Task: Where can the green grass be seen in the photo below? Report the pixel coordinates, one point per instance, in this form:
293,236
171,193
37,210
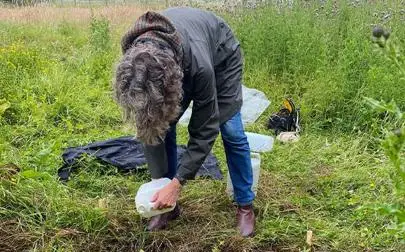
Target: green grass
56,81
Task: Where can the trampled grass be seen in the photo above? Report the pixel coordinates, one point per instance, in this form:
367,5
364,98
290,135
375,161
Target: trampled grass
56,84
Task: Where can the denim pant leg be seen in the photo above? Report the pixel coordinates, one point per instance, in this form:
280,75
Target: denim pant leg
237,152
171,150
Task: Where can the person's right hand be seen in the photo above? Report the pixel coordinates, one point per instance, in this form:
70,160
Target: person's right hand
167,196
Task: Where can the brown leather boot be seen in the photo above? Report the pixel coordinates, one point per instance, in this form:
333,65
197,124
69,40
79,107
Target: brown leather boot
159,222
246,220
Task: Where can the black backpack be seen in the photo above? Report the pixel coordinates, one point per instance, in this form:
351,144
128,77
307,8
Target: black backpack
286,119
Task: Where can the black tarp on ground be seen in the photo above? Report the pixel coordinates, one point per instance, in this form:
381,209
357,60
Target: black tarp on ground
125,153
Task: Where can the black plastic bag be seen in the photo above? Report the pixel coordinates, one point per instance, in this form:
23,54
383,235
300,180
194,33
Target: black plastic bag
125,153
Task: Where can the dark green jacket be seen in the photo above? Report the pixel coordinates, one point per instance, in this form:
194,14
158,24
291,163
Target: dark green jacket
212,59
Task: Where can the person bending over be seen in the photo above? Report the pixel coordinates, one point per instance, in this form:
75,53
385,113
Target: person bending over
170,59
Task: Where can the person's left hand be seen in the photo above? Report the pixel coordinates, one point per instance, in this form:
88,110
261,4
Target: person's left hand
167,196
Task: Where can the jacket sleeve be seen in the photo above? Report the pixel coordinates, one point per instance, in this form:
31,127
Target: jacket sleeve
156,155
156,158
203,127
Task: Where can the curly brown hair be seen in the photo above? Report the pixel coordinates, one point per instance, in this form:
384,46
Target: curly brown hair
148,87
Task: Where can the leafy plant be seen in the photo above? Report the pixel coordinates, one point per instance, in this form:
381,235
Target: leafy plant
100,38
393,146
394,142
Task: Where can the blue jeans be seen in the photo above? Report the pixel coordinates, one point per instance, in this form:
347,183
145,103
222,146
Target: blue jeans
237,152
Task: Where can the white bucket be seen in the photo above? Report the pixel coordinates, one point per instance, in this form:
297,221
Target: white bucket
255,157
259,142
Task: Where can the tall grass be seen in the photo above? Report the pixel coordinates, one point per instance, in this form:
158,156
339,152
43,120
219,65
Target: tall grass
55,92
322,56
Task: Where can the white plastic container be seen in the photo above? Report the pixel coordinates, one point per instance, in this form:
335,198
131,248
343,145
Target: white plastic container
145,194
255,157
259,142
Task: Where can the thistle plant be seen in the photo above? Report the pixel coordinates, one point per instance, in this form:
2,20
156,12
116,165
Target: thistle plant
394,142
